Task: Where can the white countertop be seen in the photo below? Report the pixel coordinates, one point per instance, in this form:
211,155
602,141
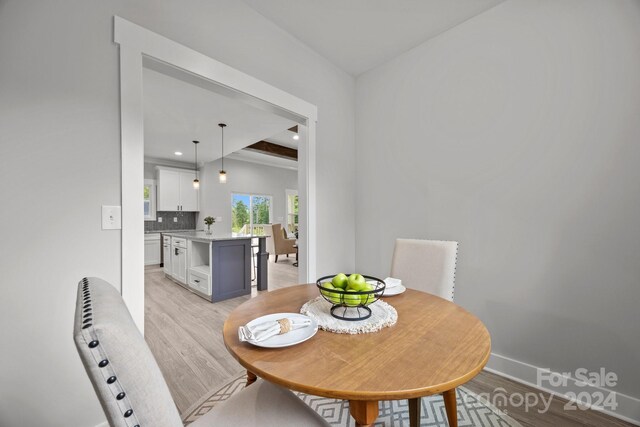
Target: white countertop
201,236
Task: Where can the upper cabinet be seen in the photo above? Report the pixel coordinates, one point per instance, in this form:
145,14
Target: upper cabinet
188,194
175,190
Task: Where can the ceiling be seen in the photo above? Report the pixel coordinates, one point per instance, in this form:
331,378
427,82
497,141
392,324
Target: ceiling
284,138
177,112
358,35
264,159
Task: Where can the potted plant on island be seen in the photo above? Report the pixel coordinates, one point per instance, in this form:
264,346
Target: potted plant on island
209,220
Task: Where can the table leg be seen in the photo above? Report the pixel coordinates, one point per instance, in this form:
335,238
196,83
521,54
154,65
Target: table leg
364,412
251,378
450,406
414,411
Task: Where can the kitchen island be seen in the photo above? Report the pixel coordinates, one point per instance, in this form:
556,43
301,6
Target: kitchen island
214,267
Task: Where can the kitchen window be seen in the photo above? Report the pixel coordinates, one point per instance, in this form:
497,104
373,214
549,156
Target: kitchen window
149,200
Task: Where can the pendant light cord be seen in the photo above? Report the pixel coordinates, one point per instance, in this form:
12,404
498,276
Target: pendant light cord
222,126
195,167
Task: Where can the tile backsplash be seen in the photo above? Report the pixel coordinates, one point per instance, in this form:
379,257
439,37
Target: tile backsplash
186,221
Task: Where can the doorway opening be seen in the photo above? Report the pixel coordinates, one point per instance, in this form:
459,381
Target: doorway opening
141,48
183,329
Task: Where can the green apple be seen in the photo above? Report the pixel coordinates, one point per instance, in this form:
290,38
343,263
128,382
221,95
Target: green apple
356,282
340,280
367,298
326,285
367,287
352,299
335,297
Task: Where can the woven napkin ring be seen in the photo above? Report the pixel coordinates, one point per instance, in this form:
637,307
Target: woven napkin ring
285,326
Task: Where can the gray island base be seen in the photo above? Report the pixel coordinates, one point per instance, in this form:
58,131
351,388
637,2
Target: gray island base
214,267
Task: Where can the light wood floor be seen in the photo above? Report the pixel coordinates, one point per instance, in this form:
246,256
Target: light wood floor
184,333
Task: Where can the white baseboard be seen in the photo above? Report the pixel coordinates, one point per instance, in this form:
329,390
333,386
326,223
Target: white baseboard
104,424
628,407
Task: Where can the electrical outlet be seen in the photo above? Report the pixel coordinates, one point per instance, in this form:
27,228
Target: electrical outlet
218,219
159,219
111,217
175,219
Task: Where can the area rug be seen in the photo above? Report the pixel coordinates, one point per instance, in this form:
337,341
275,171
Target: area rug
472,410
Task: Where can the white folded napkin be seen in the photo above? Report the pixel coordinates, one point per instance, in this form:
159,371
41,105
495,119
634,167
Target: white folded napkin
392,283
265,330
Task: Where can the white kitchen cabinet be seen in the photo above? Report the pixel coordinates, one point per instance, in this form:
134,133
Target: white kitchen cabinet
200,281
152,249
175,190
168,190
179,260
199,267
188,194
166,254
179,265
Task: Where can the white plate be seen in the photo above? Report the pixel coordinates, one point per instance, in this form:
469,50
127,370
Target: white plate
387,286
396,290
290,338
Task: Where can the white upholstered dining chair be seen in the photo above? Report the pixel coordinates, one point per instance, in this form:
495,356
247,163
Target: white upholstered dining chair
131,388
426,265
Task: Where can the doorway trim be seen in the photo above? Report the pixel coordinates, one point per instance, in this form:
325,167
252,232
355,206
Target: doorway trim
138,44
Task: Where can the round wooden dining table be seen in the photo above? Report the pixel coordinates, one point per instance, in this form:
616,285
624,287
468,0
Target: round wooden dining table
434,347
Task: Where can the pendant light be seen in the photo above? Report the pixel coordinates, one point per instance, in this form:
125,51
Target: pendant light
196,182
222,175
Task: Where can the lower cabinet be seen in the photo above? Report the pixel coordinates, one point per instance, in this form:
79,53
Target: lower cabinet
178,267
230,268
166,255
179,264
152,249
215,270
199,281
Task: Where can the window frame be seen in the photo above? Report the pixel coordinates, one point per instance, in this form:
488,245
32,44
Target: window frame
251,196
287,193
151,183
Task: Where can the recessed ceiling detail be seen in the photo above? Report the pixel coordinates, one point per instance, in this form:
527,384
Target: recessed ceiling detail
271,149
176,113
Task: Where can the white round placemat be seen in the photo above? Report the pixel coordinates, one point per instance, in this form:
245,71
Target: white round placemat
382,315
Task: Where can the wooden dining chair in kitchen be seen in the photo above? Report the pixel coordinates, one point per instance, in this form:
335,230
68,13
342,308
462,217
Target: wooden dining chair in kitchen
131,388
426,265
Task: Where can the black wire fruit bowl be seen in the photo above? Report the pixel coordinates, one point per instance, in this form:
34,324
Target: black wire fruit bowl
348,304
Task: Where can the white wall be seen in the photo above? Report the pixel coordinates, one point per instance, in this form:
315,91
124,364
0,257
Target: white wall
60,160
516,133
242,177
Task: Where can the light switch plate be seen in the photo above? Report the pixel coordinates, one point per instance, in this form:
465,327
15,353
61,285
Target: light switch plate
175,219
111,217
218,219
159,219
